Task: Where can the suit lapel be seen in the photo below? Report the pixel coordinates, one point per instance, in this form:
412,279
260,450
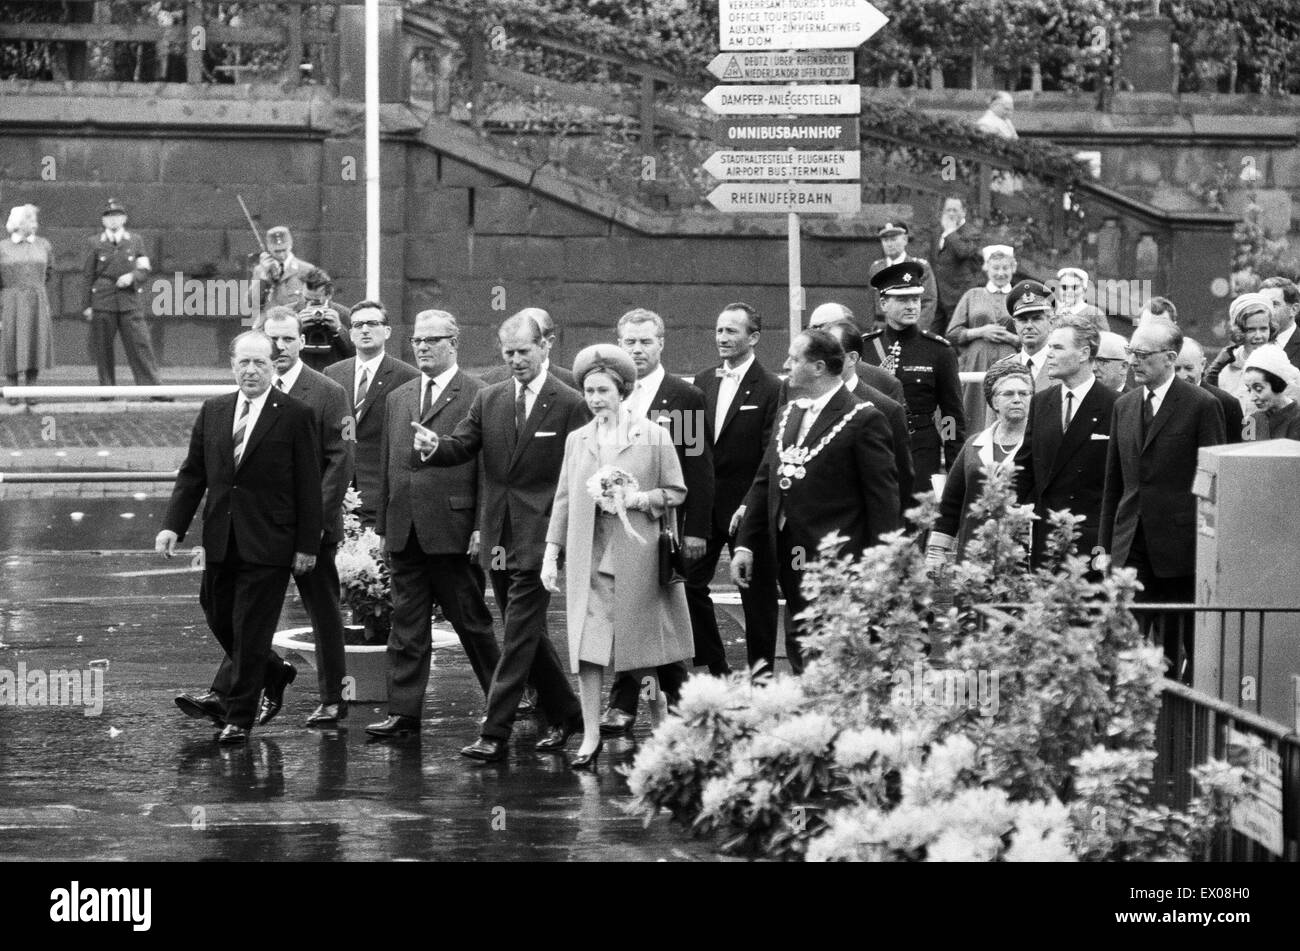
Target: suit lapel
545,399
225,422
1172,397
375,389
443,400
1047,426
268,418
747,384
831,414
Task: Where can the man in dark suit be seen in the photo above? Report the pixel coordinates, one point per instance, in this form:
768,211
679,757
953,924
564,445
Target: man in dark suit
882,381
369,377
562,373
893,241
319,588
679,407
1062,460
1190,366
955,260
427,519
254,454
1148,511
829,468
517,429
846,334
740,403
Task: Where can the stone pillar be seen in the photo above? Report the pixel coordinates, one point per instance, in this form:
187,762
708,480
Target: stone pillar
393,66
1147,63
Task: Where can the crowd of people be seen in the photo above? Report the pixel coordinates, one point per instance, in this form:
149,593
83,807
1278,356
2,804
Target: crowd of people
620,482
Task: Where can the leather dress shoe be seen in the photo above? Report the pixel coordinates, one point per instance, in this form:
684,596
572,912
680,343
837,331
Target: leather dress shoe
557,736
273,697
615,722
486,749
232,734
328,714
394,726
205,706
527,703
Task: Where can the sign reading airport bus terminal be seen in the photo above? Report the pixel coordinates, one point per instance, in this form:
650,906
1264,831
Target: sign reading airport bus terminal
796,24
817,166
813,66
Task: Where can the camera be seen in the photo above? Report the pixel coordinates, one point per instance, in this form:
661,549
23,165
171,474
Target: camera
317,331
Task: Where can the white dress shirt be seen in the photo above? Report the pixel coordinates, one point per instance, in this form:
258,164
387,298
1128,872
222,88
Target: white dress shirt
644,391
1160,392
369,368
727,389
290,376
1284,337
439,384
254,411
1079,393
813,411
1036,363
532,388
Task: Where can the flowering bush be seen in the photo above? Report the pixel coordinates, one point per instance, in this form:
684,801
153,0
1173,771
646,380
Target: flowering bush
363,573
995,713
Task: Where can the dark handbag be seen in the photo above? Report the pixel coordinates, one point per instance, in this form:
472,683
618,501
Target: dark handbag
672,566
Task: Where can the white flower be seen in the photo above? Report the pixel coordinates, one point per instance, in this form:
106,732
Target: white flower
955,845
808,734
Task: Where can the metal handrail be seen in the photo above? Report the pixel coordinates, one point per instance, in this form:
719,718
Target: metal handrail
116,392
17,478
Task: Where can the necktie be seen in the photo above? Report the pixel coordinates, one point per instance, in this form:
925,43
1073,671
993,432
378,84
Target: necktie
1069,410
362,388
426,401
521,410
241,429
279,384
1148,412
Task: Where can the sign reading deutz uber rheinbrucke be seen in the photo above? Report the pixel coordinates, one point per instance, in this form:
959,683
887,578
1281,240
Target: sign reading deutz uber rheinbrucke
811,66
821,165
811,100
796,24
788,133
788,198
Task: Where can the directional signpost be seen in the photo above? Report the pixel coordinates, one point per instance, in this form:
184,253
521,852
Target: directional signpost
789,51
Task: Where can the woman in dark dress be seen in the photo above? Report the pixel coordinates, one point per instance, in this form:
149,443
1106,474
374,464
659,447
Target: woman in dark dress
1269,379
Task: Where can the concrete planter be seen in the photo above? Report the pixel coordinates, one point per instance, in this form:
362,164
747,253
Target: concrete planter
367,665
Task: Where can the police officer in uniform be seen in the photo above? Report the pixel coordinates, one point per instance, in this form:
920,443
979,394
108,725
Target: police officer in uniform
279,277
117,269
893,241
926,366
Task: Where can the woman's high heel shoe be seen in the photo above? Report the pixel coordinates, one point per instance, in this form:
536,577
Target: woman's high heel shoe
589,761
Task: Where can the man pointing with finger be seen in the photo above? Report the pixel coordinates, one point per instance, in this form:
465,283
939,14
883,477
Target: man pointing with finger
254,455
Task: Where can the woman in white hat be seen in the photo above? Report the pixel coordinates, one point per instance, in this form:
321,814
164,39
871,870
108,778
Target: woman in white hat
26,326
1071,298
1269,376
1254,324
619,616
981,329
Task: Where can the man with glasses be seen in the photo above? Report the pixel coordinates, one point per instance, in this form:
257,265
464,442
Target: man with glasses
369,377
1029,305
1111,362
1148,511
1190,366
427,518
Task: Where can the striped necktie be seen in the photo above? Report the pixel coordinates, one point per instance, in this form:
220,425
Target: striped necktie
362,388
241,430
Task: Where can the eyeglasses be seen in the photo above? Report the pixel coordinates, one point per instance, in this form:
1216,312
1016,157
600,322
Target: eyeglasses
1143,354
366,324
419,341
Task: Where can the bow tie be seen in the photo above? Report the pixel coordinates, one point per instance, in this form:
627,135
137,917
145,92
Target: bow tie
724,373
803,403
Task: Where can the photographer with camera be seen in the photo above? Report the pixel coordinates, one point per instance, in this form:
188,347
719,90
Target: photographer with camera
325,324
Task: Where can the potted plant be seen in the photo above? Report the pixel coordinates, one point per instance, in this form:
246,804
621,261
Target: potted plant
364,585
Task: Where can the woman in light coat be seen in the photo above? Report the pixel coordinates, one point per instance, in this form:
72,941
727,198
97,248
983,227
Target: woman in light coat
981,329
619,616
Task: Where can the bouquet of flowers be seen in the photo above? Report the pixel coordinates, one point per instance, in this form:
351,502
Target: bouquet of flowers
363,576
611,487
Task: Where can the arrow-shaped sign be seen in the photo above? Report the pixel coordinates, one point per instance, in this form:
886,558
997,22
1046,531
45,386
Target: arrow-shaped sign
796,24
813,100
825,66
820,165
811,199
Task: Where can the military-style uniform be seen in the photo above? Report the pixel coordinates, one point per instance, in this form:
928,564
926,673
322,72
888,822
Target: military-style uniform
118,309
926,365
286,288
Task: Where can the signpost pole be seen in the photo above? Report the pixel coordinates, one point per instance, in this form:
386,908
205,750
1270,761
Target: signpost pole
796,275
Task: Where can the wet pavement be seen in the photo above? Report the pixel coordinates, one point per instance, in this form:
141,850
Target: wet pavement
141,781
